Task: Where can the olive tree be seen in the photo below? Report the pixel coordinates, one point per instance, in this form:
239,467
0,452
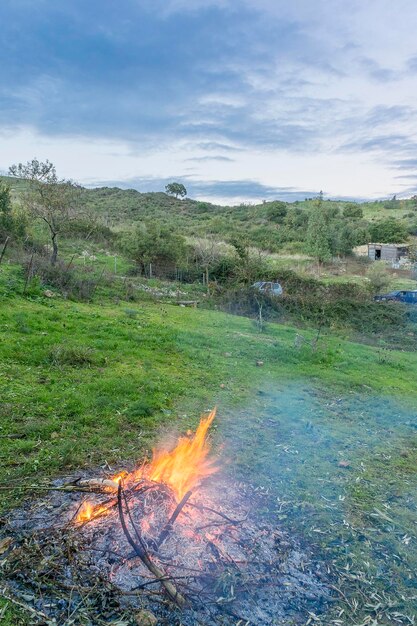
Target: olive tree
54,201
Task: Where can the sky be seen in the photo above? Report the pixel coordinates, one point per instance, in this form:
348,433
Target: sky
240,100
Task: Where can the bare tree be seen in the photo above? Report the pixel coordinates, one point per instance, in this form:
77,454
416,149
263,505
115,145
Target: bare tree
207,251
54,201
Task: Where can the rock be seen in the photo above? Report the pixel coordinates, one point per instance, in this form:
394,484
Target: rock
344,464
227,354
222,386
145,618
259,363
48,293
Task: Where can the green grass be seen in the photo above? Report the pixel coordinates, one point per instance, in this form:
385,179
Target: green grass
84,384
72,374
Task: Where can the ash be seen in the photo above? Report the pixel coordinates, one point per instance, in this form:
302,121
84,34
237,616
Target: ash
224,554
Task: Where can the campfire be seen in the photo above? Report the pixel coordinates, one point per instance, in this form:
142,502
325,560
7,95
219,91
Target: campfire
160,537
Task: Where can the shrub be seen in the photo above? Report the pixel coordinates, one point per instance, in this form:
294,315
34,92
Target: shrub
277,211
74,283
353,211
378,277
389,231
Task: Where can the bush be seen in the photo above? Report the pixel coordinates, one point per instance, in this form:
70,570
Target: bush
378,277
353,211
341,305
389,231
277,211
75,356
74,283
89,229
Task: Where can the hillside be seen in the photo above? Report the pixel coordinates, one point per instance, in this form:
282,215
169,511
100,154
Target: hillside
275,226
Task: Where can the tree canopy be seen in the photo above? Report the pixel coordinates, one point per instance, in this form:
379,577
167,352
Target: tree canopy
176,189
318,235
151,243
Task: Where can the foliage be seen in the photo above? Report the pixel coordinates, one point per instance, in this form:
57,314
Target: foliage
176,189
392,204
277,211
353,211
318,237
154,243
89,228
48,198
207,253
389,231
378,277
12,223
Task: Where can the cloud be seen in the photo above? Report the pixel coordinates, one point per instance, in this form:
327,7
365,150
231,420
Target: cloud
376,72
211,158
221,79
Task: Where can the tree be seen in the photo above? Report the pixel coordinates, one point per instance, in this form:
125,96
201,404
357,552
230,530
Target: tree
152,243
318,235
207,252
6,218
52,200
11,223
389,231
176,189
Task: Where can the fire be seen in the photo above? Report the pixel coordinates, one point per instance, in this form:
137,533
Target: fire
184,467
89,511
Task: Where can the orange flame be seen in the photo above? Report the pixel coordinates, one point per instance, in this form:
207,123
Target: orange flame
89,511
184,467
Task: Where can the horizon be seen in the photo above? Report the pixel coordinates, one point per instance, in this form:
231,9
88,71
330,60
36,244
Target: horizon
237,101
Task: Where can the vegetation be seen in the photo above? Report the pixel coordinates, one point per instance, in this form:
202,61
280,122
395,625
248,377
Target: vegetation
176,189
318,236
153,243
47,198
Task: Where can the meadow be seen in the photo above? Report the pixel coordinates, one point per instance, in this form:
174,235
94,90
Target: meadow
93,384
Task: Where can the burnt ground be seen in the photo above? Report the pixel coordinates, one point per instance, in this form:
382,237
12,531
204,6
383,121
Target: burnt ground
226,554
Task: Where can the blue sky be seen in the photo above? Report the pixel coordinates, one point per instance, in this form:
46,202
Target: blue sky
240,100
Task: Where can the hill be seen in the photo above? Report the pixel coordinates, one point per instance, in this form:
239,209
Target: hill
275,225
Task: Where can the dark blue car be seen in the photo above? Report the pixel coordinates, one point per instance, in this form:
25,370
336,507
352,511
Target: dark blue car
406,296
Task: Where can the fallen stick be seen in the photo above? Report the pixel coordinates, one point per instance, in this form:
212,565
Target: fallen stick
202,507
170,523
97,484
144,557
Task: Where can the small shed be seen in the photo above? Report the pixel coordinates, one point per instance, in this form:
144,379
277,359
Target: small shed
391,252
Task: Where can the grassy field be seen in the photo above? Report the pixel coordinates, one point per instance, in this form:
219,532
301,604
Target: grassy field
87,384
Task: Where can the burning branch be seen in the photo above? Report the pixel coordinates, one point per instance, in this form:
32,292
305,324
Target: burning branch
144,557
170,523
